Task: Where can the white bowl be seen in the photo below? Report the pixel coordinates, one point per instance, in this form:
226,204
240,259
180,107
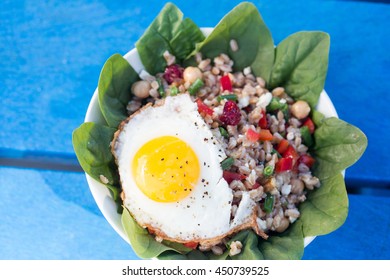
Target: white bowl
102,195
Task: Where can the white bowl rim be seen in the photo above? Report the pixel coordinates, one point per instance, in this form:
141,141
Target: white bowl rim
102,195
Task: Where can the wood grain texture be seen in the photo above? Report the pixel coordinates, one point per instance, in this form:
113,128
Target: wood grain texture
52,215
364,235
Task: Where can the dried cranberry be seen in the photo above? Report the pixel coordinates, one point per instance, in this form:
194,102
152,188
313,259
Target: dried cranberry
173,73
231,114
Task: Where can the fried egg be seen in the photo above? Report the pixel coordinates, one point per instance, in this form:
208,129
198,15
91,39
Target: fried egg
170,172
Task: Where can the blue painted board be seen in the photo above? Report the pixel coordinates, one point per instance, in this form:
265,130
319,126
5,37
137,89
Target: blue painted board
364,235
51,54
52,215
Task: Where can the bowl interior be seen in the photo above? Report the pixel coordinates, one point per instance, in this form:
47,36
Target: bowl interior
101,194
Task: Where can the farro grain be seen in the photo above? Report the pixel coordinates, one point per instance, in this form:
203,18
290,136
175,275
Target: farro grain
235,248
217,250
278,91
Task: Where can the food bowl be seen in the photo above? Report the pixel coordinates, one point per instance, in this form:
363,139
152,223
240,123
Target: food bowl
102,195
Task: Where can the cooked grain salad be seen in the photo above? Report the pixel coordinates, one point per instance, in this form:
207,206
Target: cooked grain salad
266,135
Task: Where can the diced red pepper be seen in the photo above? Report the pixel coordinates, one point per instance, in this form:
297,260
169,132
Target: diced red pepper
203,108
226,84
263,123
265,135
284,164
252,135
291,153
231,176
310,125
282,146
255,186
307,160
191,245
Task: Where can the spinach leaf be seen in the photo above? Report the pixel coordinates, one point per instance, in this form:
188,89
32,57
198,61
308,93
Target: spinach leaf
183,42
114,87
256,47
338,145
178,247
171,255
91,142
168,32
326,208
250,250
286,246
193,255
301,64
317,118
224,256
143,244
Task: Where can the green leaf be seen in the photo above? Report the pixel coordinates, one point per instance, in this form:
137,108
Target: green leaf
170,255
286,246
178,247
326,208
183,42
143,244
256,47
168,32
114,87
301,64
317,118
193,255
250,250
338,145
91,142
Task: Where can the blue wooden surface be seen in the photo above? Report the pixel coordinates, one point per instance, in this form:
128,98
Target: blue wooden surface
51,53
52,215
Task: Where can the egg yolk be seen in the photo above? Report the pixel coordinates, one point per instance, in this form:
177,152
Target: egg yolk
166,169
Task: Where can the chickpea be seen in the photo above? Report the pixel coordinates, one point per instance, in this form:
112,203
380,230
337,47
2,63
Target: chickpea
300,109
191,74
141,89
283,225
